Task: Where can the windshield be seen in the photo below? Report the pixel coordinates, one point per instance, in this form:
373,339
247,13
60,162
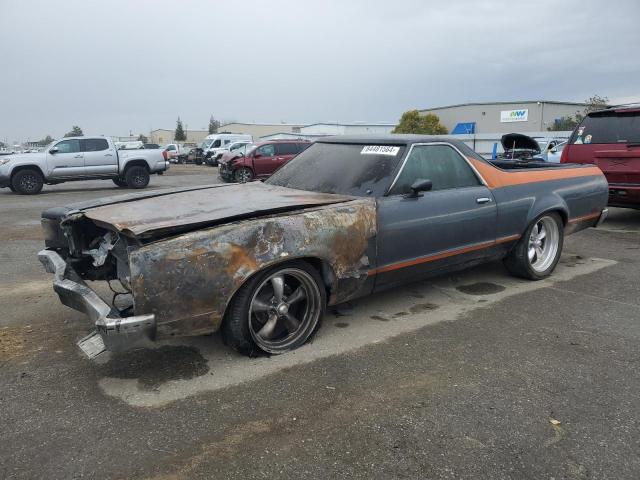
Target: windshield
347,169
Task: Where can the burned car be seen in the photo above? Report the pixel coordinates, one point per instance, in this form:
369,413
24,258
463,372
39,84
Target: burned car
347,217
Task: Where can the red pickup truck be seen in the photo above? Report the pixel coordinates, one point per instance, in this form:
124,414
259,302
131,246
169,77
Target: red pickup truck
610,139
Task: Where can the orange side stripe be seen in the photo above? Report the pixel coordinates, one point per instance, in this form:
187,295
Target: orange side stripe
584,218
497,178
440,256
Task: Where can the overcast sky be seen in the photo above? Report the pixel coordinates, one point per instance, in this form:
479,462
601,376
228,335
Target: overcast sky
117,66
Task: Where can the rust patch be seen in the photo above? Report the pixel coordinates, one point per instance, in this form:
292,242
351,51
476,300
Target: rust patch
239,261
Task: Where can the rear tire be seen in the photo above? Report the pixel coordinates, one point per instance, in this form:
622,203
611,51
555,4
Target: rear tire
119,182
137,177
262,318
243,175
27,182
538,251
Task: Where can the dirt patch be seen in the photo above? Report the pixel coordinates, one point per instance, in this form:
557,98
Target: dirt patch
480,288
379,318
21,232
421,307
342,324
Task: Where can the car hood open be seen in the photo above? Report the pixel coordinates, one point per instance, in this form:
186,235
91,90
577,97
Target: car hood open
518,141
177,211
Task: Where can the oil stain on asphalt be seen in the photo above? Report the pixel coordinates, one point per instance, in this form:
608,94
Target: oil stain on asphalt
480,288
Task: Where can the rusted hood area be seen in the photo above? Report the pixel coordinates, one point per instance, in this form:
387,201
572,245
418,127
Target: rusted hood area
175,211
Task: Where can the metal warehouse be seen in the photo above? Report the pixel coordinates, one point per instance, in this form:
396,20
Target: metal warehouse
503,117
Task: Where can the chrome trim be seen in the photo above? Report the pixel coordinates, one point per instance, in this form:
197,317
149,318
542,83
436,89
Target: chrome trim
603,217
422,144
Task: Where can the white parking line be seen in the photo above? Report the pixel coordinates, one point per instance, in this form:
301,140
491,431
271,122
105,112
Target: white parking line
375,319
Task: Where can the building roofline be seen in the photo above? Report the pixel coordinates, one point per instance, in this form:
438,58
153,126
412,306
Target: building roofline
552,102
352,124
264,124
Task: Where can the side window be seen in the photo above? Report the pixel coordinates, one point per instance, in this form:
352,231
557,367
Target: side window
94,144
303,146
441,164
266,150
216,144
226,142
286,149
68,146
603,129
171,148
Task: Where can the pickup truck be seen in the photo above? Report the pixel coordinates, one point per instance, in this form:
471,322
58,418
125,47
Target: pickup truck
80,158
347,217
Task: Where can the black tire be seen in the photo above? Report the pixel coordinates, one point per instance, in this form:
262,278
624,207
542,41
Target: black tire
518,261
119,182
27,182
243,175
239,325
11,188
137,177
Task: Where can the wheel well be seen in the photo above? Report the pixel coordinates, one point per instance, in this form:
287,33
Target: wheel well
26,167
136,163
563,215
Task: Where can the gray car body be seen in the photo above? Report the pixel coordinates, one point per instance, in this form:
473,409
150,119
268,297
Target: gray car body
82,165
185,260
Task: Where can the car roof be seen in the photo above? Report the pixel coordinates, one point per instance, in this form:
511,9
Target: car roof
389,139
621,109
283,140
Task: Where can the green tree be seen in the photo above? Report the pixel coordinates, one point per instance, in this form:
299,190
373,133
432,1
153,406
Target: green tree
413,122
563,124
179,136
45,141
570,122
76,131
213,125
143,139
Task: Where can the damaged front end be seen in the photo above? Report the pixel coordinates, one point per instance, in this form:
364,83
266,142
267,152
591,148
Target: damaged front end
78,251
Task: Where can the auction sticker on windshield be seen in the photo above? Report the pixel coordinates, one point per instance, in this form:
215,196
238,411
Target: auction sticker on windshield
379,150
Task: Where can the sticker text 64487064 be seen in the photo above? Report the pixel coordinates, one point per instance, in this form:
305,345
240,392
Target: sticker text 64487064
379,150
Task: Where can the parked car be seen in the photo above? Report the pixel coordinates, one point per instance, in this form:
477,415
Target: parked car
213,142
129,145
228,156
195,155
261,161
235,147
151,146
552,152
610,139
177,151
80,158
347,217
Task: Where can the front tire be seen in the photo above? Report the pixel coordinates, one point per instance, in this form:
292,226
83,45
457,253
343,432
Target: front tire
537,253
27,182
119,182
243,175
137,177
276,311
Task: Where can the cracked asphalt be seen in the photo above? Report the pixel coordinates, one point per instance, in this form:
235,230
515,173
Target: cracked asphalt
475,375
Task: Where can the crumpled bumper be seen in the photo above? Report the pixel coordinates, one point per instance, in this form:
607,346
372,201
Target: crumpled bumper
117,333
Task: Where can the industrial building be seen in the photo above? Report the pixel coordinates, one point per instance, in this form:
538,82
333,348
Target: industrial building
503,117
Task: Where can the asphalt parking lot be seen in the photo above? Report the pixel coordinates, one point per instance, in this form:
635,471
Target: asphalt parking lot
474,375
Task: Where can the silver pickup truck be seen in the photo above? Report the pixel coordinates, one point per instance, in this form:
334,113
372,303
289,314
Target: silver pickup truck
80,158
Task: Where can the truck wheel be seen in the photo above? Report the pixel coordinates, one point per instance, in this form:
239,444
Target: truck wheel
243,175
137,177
119,182
537,253
27,182
277,310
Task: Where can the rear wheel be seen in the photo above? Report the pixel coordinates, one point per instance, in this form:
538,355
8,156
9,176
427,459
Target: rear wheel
537,253
243,175
27,182
137,177
277,310
119,182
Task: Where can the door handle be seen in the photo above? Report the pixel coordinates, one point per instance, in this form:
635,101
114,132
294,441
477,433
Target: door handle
108,155
483,200
78,156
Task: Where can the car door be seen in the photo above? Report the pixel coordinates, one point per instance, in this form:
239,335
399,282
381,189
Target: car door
99,157
284,153
449,226
65,159
264,158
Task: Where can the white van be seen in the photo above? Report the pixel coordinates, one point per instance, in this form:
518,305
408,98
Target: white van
214,141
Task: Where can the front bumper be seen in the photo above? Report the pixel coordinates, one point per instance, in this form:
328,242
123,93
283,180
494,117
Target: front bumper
5,179
117,333
603,217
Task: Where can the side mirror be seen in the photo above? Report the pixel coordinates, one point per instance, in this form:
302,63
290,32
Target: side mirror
418,186
554,150
53,150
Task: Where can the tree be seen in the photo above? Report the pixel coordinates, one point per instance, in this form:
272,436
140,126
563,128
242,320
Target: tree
45,141
213,125
143,139
179,136
76,131
570,122
413,122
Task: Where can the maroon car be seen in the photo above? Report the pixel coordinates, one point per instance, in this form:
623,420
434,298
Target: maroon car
610,139
261,161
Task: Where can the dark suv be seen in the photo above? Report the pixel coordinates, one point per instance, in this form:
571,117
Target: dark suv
261,161
610,139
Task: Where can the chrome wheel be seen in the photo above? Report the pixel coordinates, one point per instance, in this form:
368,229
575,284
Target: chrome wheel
284,308
542,247
243,175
